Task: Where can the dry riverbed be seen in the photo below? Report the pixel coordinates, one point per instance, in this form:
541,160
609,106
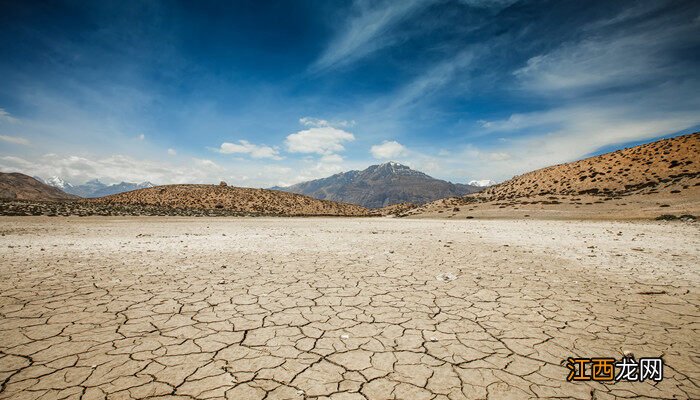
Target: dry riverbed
277,308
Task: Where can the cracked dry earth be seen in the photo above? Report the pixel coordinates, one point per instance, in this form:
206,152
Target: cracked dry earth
276,308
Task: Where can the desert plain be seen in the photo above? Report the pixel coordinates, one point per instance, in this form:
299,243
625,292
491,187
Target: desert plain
342,308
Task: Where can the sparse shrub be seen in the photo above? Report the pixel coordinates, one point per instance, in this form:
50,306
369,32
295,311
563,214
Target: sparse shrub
666,217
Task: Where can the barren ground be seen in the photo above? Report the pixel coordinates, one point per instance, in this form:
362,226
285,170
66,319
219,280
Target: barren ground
634,207
247,308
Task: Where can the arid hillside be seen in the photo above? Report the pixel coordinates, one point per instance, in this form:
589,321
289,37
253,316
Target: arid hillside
16,186
669,163
644,181
243,200
394,209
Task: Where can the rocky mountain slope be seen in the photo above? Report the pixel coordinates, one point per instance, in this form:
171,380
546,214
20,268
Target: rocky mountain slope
640,169
122,187
95,188
233,199
649,180
380,186
17,186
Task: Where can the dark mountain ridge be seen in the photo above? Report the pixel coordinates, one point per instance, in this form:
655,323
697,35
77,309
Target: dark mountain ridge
380,186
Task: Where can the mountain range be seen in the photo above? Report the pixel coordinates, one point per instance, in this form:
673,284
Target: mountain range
381,185
94,188
655,180
482,183
16,186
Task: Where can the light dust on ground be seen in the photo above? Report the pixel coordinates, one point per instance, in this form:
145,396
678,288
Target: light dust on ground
245,308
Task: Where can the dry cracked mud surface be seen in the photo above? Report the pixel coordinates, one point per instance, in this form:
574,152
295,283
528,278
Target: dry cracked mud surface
245,308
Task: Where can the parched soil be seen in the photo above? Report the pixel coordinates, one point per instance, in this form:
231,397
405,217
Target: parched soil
646,206
380,308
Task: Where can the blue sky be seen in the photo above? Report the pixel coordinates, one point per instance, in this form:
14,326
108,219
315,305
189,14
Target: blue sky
273,93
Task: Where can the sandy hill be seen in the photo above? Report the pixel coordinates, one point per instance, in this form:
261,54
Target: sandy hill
637,182
394,209
16,186
244,200
640,169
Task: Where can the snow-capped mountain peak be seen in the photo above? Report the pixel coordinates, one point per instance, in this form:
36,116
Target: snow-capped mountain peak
57,182
95,188
482,183
380,185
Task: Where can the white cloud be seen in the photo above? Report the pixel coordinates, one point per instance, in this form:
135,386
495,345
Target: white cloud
115,168
172,152
141,137
310,121
321,140
14,139
254,150
388,150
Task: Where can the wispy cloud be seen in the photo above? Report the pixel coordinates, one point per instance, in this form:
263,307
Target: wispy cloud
254,150
494,4
623,85
206,163
641,54
433,70
14,140
367,31
617,84
6,116
317,122
434,79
